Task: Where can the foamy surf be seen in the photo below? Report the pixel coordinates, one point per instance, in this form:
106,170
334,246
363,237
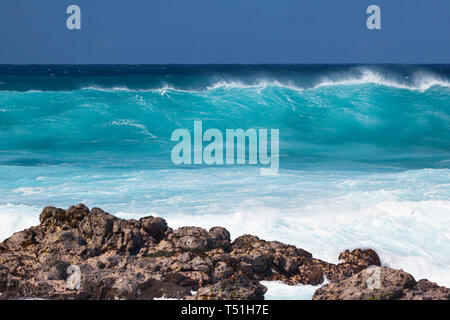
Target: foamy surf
323,213
15,218
277,290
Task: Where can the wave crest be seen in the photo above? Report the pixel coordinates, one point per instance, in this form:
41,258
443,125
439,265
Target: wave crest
201,80
420,81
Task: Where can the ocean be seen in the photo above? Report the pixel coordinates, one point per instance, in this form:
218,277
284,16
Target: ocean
364,152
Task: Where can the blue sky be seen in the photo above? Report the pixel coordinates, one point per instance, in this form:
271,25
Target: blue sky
225,31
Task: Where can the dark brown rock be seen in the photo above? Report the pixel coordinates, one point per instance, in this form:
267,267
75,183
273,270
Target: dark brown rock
155,227
145,259
360,258
381,283
192,239
221,237
232,289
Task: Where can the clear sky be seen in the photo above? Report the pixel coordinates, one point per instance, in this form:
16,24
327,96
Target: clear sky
225,31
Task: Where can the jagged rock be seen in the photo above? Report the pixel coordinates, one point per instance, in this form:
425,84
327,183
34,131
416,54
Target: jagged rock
232,289
219,234
54,217
245,242
145,259
19,240
293,265
155,227
360,258
222,270
221,237
427,290
192,238
381,283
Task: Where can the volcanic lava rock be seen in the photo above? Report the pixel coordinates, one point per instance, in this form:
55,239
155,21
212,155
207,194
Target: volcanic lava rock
382,283
145,259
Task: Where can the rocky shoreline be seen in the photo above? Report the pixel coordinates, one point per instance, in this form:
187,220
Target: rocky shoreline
145,259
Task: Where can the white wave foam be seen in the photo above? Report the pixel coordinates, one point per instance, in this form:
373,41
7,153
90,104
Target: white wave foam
420,81
163,298
132,123
27,191
15,218
259,85
277,290
162,90
404,216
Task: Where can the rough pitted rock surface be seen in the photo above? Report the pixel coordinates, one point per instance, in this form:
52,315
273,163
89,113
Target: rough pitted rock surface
382,283
145,259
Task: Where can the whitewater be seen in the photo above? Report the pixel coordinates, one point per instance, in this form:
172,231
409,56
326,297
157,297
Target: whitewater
364,154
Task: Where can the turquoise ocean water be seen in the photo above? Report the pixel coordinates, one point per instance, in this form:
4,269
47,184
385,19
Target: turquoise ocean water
364,152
